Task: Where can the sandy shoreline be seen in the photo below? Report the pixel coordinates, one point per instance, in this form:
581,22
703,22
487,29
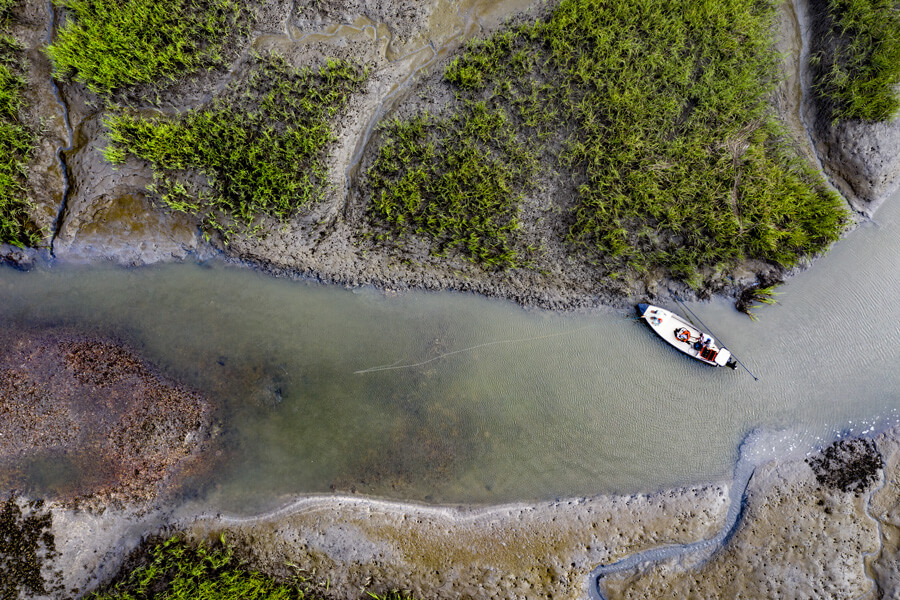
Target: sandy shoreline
799,533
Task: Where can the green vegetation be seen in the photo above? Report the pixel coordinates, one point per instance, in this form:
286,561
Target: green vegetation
16,142
25,542
859,70
754,296
259,149
176,570
456,185
656,114
108,44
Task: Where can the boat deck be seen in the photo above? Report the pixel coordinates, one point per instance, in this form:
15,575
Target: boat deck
685,337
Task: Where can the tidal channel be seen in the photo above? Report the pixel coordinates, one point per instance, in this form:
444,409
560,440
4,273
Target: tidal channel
454,398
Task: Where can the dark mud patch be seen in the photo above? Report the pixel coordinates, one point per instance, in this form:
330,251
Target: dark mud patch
87,421
23,259
758,293
26,542
847,465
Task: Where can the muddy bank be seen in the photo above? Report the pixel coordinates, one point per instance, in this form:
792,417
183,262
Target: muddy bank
109,215
86,417
823,525
812,526
860,158
800,536
30,26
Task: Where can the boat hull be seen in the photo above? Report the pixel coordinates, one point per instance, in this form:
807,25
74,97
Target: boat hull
685,336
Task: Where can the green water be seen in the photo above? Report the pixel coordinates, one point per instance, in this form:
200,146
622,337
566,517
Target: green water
483,401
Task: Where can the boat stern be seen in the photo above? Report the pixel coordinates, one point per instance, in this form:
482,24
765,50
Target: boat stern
723,358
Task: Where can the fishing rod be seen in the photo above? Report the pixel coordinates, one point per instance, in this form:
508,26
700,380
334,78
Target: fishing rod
687,308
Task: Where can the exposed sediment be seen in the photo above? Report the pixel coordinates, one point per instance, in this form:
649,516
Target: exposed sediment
801,533
86,417
30,26
797,538
860,158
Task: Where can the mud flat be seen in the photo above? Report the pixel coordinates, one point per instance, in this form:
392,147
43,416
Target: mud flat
822,525
86,417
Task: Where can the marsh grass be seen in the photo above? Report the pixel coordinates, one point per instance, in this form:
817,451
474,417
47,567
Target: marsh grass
858,70
176,570
257,150
657,111
16,142
109,44
455,180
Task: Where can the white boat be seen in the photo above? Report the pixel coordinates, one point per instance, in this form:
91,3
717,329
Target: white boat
686,337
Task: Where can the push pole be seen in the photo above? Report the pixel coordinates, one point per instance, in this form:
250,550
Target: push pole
755,378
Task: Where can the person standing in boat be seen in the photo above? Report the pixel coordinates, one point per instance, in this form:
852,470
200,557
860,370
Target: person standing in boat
703,341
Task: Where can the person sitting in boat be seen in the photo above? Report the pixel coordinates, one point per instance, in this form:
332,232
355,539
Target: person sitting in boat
683,335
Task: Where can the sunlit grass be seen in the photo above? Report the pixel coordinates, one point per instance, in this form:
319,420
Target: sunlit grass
176,570
859,70
16,142
108,44
455,180
259,149
658,112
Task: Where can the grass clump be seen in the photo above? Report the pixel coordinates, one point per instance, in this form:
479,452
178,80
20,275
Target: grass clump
175,570
16,142
684,165
257,150
754,296
656,113
458,179
454,179
858,69
109,44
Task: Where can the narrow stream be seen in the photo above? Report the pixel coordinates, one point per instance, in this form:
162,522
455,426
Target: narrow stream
60,152
459,399
756,449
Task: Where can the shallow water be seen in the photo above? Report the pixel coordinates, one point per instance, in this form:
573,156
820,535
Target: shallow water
483,401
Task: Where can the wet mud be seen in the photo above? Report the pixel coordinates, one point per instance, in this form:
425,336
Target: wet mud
84,420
